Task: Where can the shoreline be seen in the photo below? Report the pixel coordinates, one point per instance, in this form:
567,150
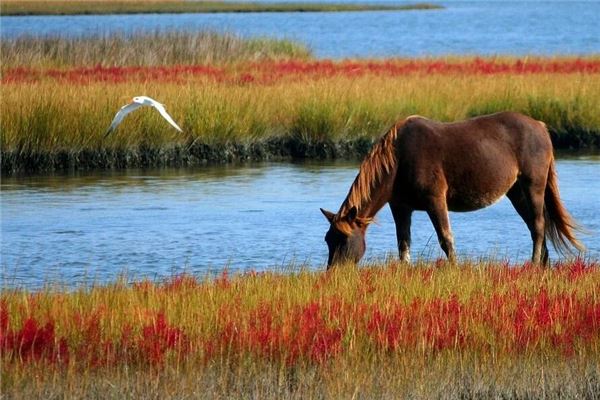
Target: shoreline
76,7
182,155
17,162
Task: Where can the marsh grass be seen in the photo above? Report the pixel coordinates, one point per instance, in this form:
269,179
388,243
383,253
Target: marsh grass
387,378
144,49
50,125
73,7
431,330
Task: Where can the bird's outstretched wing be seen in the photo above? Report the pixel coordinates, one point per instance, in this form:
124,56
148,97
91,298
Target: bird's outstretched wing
139,102
165,114
126,109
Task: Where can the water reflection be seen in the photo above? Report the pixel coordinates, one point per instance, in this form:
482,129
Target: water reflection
115,179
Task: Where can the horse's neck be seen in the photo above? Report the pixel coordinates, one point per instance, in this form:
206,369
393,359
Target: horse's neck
368,203
373,184
369,193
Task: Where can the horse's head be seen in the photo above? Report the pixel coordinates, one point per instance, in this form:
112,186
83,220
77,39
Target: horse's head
345,237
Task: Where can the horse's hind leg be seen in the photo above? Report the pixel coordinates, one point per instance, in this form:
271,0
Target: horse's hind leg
528,200
402,218
438,213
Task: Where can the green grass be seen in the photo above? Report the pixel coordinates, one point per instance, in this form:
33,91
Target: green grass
144,49
72,7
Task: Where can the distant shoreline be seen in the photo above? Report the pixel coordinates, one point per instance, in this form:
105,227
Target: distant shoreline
79,7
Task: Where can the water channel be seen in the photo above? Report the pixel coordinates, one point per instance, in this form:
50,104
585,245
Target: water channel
153,223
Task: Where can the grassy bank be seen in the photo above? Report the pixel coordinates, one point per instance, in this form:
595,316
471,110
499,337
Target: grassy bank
256,99
392,331
144,49
56,119
75,7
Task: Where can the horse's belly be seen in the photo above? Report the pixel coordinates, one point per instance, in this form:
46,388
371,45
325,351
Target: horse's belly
472,201
480,191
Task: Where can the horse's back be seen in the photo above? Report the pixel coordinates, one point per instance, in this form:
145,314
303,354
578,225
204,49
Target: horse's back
474,162
503,128
509,136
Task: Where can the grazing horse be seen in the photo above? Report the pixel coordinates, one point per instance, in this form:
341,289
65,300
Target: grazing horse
424,165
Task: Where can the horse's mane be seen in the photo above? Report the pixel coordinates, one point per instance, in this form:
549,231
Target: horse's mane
380,161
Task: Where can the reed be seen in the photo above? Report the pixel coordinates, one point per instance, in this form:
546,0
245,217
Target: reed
58,122
478,329
144,49
74,7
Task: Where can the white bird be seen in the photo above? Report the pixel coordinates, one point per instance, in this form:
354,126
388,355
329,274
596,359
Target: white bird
137,102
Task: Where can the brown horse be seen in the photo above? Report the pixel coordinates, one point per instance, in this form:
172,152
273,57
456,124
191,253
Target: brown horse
424,165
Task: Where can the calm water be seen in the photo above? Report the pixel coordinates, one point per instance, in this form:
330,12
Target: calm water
469,27
155,223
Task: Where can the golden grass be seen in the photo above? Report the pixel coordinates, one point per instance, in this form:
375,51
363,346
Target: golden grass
253,105
51,116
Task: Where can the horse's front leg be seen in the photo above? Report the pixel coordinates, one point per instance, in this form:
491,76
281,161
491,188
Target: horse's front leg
438,213
402,217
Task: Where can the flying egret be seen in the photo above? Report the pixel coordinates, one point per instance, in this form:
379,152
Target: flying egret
137,102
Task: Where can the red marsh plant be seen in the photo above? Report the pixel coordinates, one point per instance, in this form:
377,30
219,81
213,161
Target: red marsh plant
270,72
310,317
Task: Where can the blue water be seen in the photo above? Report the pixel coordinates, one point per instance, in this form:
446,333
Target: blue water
74,228
92,227
463,27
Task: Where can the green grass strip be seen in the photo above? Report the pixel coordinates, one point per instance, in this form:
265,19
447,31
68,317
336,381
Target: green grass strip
78,7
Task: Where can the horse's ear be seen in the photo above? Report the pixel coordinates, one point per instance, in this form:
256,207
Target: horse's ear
328,214
352,214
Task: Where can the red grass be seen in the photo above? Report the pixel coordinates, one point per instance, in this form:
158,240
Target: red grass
273,72
158,338
512,321
32,342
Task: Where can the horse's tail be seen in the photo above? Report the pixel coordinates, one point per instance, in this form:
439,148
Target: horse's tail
560,225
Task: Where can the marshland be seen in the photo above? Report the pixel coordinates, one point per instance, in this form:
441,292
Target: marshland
259,99
154,263
74,7
387,331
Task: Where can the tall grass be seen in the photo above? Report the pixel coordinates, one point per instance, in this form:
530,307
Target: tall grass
54,124
144,48
394,331
70,7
